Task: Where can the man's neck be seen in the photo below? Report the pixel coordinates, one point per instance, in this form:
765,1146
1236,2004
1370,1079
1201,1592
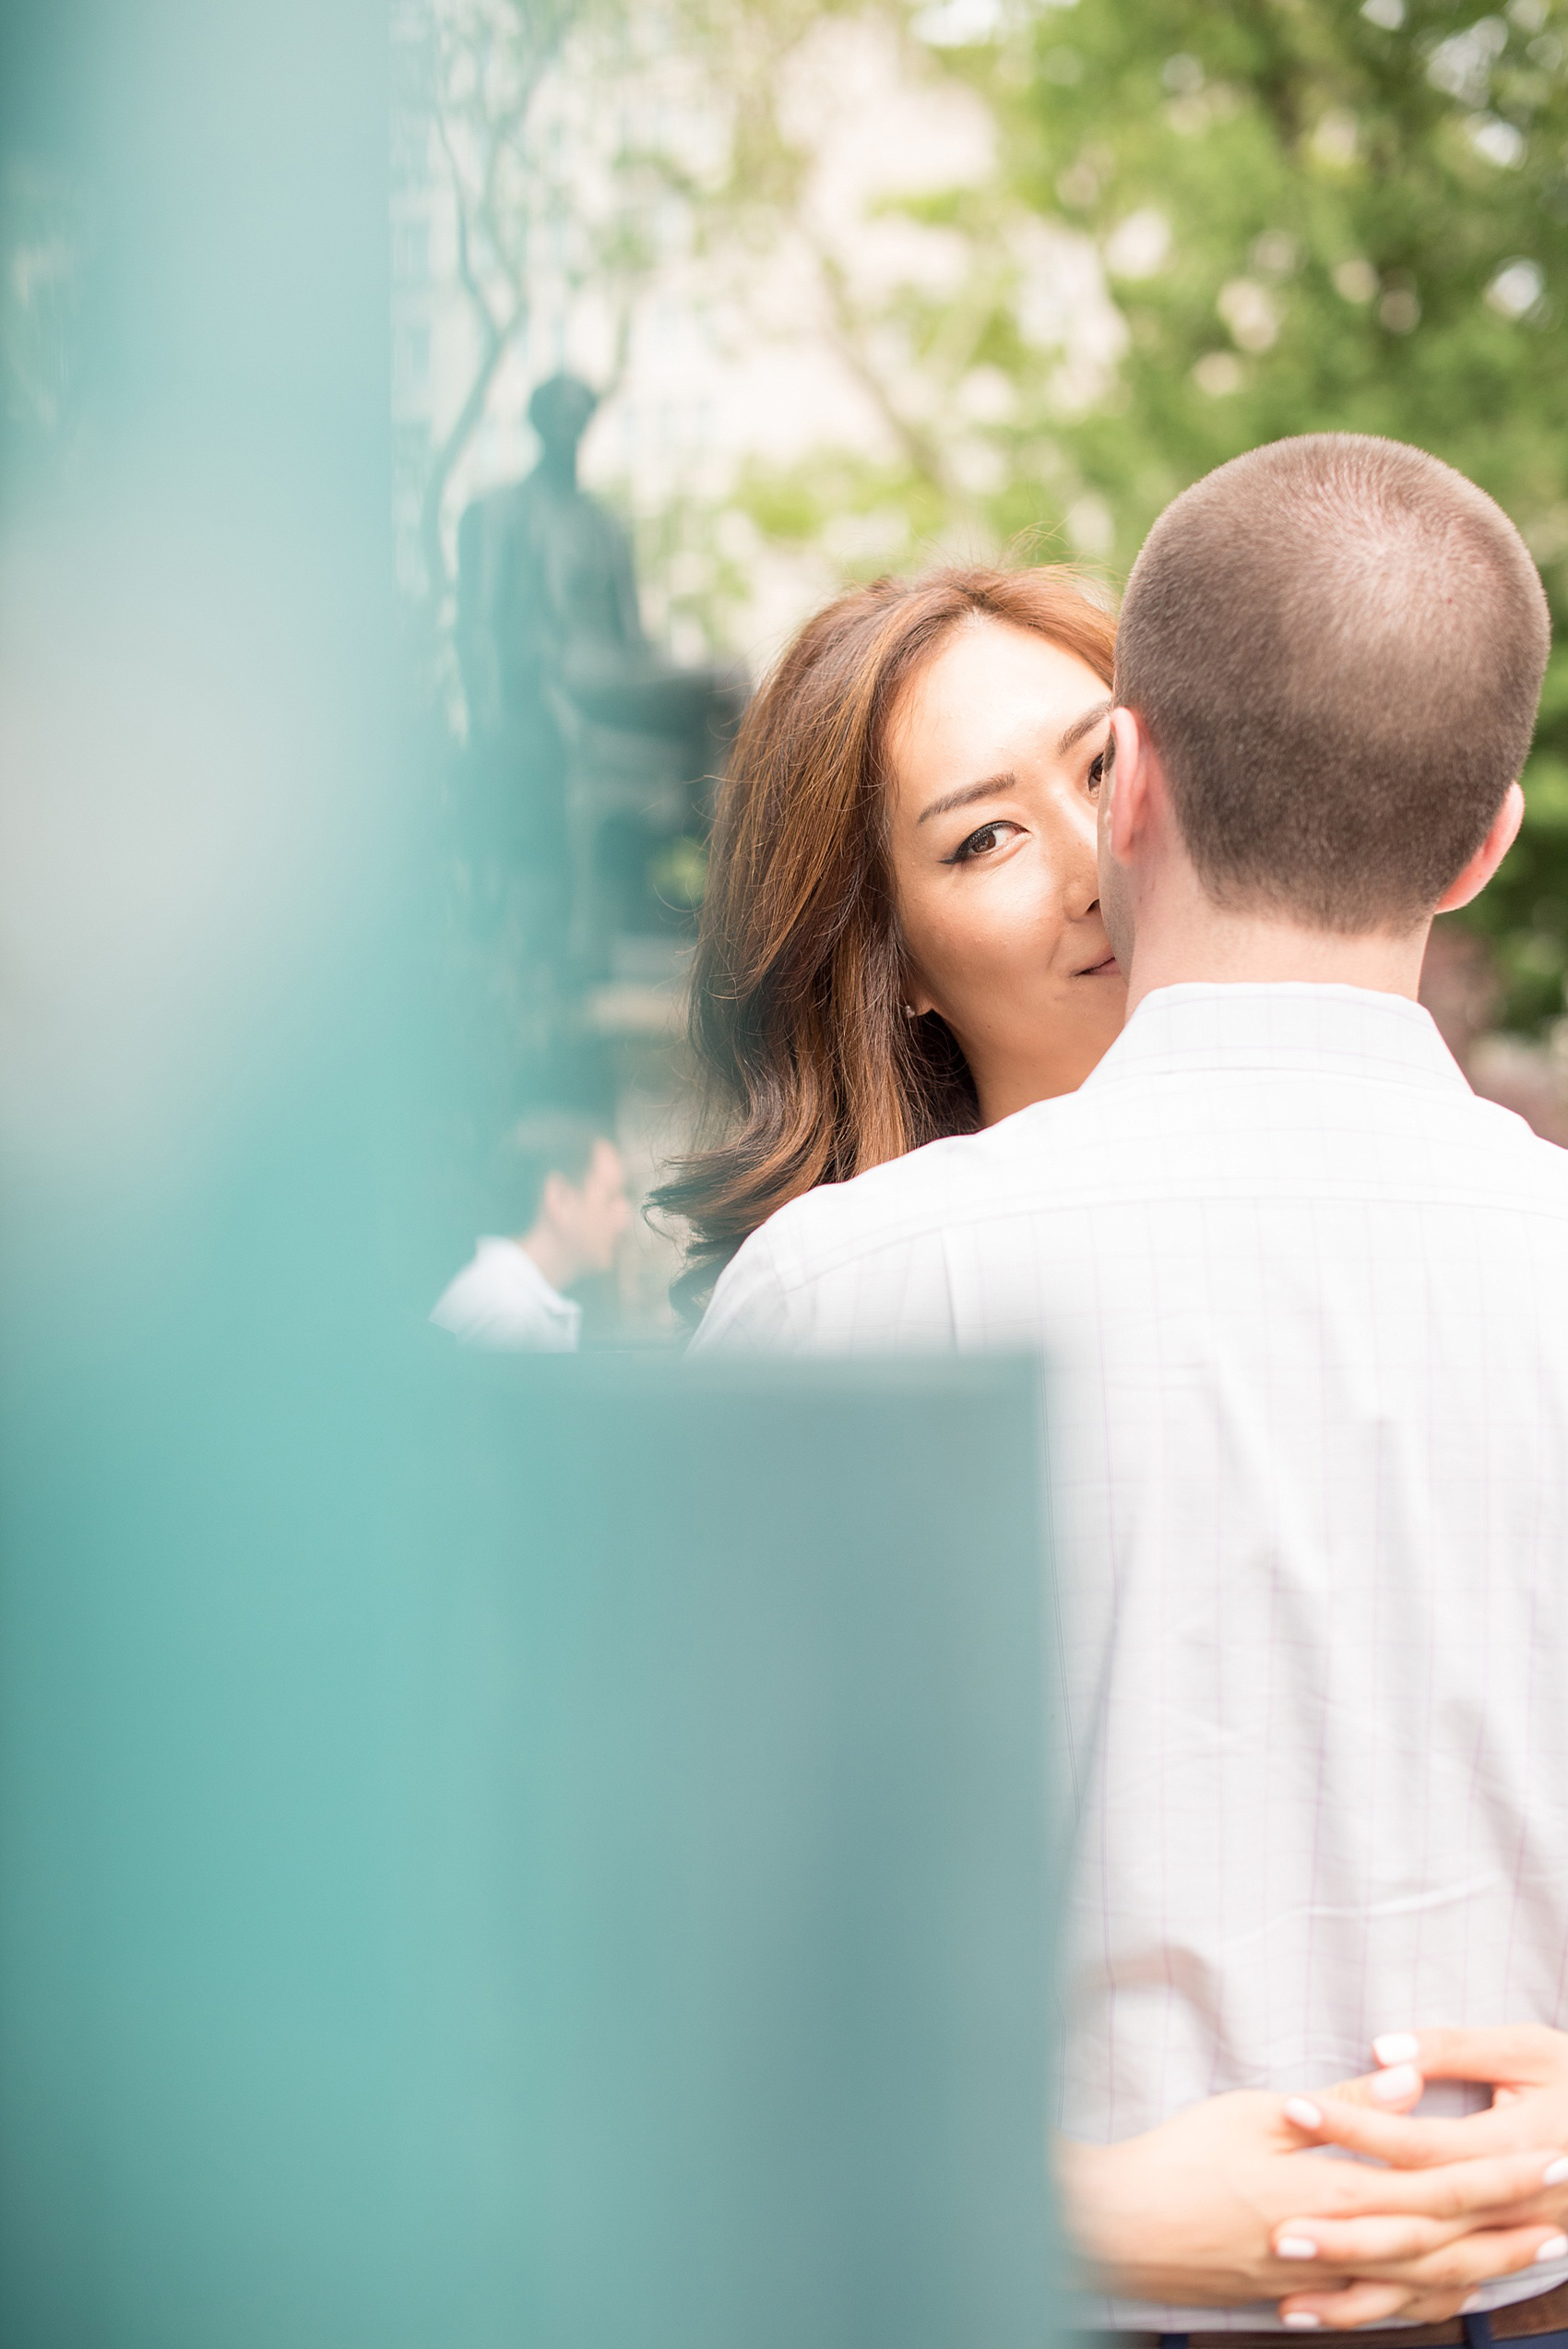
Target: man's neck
1198,940
553,1258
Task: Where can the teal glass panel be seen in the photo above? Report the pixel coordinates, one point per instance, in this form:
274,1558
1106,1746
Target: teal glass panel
755,1996
490,1853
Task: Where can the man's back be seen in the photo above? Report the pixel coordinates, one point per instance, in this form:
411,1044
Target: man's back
1305,1302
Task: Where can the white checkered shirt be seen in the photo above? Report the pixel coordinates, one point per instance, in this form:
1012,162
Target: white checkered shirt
1304,1304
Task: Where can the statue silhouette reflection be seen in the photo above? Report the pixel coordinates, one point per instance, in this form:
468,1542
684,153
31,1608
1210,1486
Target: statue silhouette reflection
589,753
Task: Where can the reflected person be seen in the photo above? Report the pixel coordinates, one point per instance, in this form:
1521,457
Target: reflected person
1303,1291
561,1184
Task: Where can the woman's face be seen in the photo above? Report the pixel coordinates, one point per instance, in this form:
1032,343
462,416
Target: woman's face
995,751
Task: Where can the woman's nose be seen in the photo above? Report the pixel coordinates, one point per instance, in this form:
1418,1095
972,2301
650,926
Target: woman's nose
1081,892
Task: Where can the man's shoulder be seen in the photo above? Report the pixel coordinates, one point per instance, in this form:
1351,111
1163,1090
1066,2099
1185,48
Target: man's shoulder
1488,1158
906,1212
498,1286
924,1193
1504,1130
468,1291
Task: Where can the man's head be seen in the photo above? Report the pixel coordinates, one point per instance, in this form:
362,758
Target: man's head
1333,647
564,1189
560,411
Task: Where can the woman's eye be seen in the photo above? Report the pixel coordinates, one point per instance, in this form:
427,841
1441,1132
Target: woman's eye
1096,771
981,843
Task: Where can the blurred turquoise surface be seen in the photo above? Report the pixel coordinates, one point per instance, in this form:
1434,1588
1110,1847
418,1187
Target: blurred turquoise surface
755,1828
488,1852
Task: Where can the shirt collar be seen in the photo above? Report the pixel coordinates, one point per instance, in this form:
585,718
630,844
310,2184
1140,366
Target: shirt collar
522,1269
1281,1025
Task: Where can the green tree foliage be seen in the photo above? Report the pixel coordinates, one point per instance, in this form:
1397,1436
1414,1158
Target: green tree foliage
1206,224
1318,216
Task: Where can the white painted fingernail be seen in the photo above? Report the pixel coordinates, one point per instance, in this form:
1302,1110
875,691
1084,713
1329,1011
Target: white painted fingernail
1392,2087
1295,2247
1303,2320
1472,2305
1554,2247
1555,2171
1308,2115
1396,2047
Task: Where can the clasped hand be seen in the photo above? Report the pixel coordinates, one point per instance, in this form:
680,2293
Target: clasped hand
1226,2203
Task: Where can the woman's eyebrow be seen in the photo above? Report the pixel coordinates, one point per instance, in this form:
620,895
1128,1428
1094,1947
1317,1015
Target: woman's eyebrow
971,792
1084,725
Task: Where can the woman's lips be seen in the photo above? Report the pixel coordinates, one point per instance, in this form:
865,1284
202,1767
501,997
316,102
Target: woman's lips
1102,969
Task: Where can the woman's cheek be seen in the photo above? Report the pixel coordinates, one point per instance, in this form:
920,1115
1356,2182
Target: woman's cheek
1024,921
998,973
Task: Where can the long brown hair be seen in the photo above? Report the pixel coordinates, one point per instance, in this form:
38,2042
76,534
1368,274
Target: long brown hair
813,1072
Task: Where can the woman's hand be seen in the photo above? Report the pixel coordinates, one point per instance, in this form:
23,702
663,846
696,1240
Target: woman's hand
1192,2213
1424,2268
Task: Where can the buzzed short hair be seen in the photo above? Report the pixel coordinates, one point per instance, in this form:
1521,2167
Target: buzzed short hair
1336,646
546,1143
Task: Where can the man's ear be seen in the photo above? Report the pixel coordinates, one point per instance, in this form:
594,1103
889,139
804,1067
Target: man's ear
1473,877
556,1200
1125,797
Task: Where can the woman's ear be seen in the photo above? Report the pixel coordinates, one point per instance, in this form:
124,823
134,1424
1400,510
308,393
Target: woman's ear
914,994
